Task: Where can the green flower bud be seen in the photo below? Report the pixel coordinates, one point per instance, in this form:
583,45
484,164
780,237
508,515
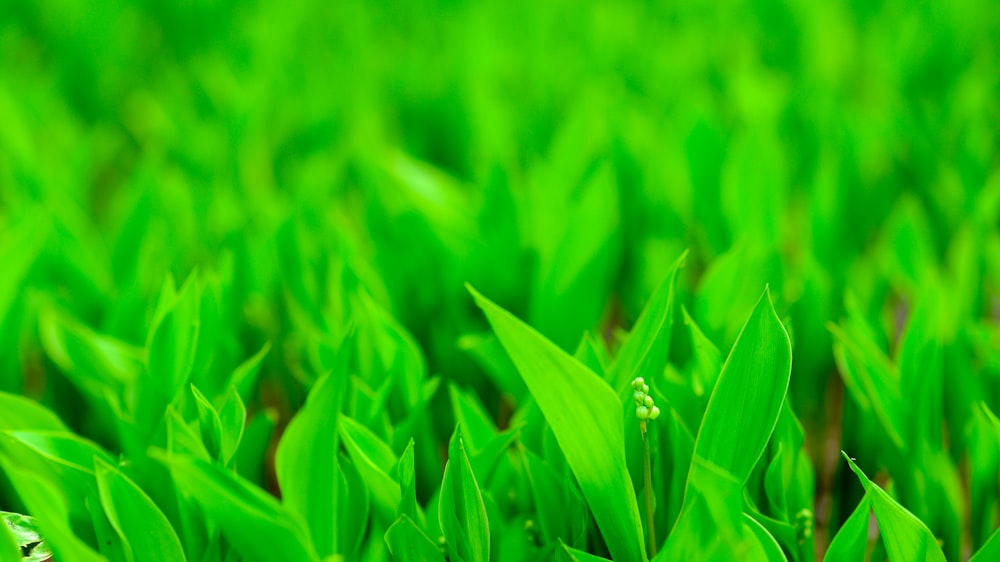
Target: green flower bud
654,413
645,389
642,412
648,401
637,383
638,397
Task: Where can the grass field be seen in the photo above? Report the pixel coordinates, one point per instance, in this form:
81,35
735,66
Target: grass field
499,281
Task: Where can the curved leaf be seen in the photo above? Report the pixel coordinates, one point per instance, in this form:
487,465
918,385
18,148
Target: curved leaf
585,415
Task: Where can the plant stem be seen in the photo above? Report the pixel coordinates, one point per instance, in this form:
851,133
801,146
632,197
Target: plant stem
648,469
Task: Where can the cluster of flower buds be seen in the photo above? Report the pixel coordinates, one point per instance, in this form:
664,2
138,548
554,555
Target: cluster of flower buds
644,407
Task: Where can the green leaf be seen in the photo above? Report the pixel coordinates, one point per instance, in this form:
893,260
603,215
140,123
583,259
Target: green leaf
306,462
556,500
707,359
20,539
568,554
407,542
256,439
353,508
375,461
585,415
11,541
173,339
232,417
252,521
769,546
905,537
575,277
744,407
645,351
461,511
407,485
95,363
710,525
47,503
851,541
211,427
143,528
477,425
18,412
244,377
990,550
487,351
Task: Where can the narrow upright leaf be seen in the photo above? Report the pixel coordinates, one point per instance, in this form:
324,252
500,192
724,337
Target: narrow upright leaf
252,521
461,511
644,353
306,462
585,415
905,537
138,521
746,402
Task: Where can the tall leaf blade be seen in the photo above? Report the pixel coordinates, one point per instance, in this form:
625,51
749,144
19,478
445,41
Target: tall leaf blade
254,523
461,511
644,353
744,407
306,462
585,415
134,516
905,537
851,541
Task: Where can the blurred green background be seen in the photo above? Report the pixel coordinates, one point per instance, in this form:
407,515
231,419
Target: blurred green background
559,156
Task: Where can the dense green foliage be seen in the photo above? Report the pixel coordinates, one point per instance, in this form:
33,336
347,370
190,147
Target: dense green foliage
320,281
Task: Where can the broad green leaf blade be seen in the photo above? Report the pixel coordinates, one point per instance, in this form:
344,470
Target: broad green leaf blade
208,419
707,358
256,439
487,351
585,415
11,545
20,539
710,525
851,541
92,361
253,522
233,417
408,505
244,377
18,412
461,511
766,545
554,502
575,277
989,551
173,340
374,460
568,554
644,353
306,462
47,503
353,508
477,426
407,542
744,407
142,526
905,537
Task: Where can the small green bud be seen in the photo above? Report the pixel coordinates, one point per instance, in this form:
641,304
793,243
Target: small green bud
642,412
648,401
637,383
638,397
654,413
645,389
